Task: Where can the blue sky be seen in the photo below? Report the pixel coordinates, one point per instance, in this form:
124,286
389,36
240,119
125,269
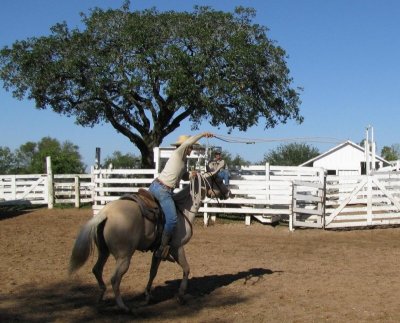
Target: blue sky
344,53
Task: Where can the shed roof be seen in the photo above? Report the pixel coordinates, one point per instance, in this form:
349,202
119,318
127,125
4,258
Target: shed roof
338,147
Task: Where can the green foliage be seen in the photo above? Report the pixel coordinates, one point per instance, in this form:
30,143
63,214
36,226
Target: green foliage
391,153
7,161
292,154
30,158
145,72
233,162
119,160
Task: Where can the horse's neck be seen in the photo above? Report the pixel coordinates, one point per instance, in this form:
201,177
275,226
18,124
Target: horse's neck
188,201
189,209
191,213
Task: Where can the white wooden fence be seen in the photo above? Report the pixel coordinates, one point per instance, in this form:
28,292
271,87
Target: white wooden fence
304,196
110,184
308,204
33,189
23,189
349,201
262,192
358,201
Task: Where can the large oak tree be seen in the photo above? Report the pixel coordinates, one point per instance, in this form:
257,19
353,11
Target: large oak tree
145,72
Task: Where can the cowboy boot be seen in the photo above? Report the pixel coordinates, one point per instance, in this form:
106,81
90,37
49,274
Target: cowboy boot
163,250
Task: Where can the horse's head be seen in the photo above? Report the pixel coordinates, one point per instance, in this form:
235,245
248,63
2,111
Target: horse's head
201,186
213,186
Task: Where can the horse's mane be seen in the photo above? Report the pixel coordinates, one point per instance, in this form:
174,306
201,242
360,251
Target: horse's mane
182,196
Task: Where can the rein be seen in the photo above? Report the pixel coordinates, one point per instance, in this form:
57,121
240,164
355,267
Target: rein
196,197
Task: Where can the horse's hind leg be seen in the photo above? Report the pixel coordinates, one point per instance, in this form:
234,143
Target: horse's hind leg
121,268
104,253
98,271
155,263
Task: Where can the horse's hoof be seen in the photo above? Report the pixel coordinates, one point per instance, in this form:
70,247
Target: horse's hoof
101,298
181,300
148,298
125,309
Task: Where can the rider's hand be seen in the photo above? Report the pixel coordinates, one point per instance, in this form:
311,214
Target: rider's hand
208,135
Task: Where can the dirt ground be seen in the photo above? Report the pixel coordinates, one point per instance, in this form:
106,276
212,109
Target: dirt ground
239,273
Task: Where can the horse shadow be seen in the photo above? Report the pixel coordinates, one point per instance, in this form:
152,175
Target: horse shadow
76,302
205,285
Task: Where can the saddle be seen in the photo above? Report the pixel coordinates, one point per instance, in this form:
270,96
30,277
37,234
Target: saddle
152,214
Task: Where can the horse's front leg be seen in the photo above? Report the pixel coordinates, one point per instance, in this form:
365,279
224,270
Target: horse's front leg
180,257
155,263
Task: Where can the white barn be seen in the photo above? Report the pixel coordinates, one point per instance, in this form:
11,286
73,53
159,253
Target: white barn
346,158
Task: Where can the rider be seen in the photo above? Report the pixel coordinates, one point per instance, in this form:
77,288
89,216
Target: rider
219,163
222,175
163,186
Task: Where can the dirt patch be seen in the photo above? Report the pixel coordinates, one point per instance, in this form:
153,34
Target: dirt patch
238,274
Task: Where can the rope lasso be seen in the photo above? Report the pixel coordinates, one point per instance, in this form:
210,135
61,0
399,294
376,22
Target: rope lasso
242,140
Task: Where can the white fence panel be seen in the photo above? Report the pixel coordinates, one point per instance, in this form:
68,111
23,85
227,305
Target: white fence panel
73,189
111,184
23,189
308,208
361,201
33,189
263,192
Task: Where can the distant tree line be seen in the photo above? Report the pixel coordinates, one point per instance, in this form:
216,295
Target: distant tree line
30,158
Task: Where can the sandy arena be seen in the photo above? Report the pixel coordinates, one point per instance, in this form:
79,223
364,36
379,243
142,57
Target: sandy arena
238,274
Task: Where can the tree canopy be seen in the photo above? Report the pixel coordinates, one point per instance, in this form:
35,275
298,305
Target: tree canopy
293,154
30,158
391,153
120,160
145,72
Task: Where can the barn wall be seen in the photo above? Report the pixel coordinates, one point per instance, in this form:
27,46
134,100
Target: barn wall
348,158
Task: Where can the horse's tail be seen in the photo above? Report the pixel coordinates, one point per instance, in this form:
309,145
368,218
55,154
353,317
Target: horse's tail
83,246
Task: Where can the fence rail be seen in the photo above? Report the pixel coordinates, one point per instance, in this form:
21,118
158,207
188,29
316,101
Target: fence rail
33,189
267,193
110,184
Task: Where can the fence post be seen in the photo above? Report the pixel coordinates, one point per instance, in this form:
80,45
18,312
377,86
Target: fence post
324,201
157,158
13,187
77,192
292,215
267,182
50,187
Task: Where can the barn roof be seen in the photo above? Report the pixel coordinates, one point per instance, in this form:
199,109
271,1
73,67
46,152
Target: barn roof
338,147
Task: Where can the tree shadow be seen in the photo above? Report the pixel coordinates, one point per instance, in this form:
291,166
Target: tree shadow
12,211
72,301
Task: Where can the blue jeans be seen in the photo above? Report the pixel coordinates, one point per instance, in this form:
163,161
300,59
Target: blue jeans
164,197
224,175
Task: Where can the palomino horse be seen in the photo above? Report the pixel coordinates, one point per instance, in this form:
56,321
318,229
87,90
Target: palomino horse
119,229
